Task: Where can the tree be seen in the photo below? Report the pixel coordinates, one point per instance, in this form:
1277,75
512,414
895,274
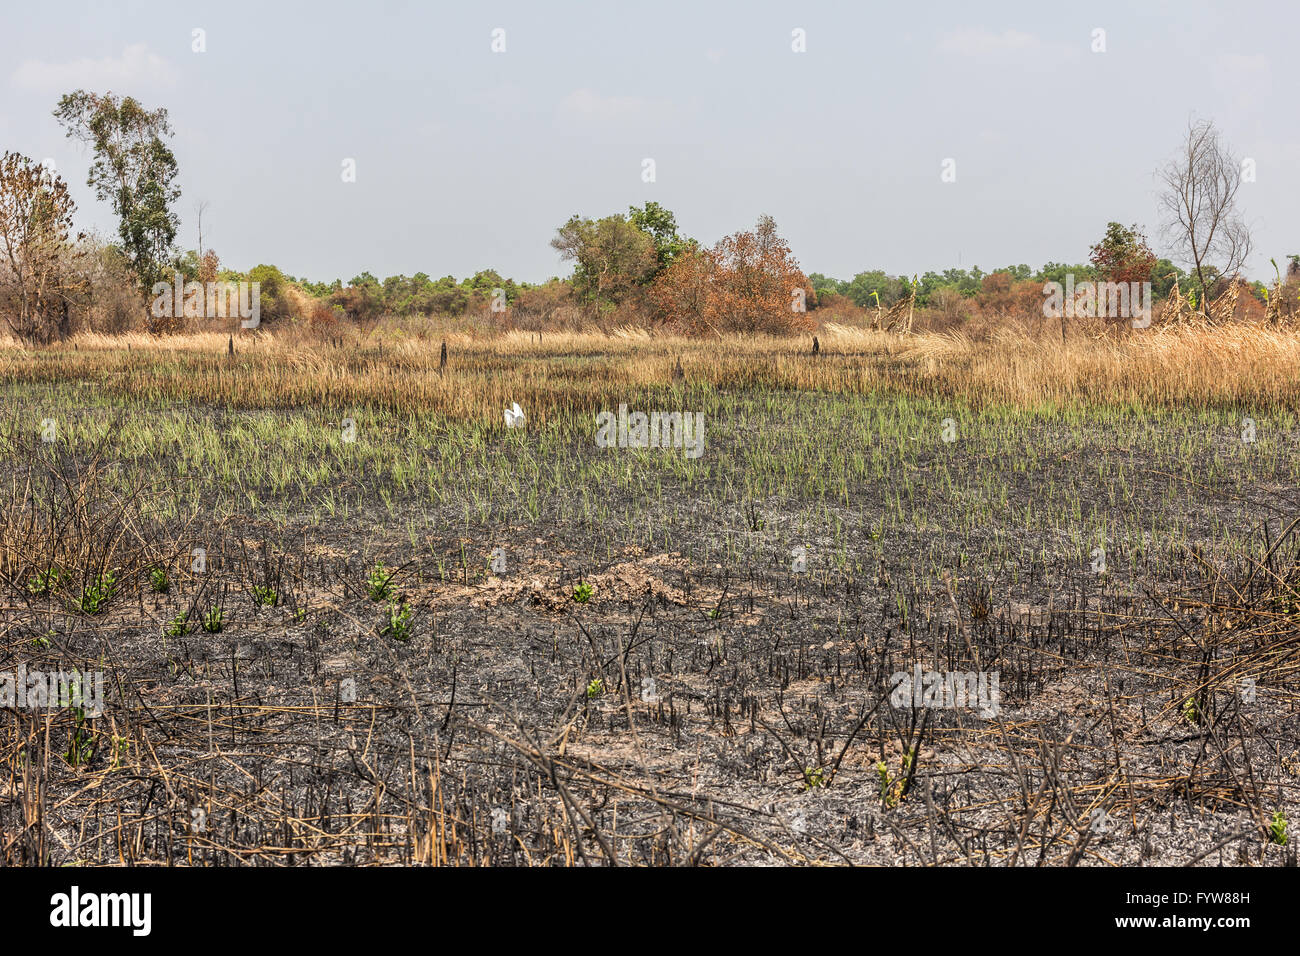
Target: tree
113,303
680,295
612,258
874,289
360,302
485,282
1020,273
826,286
661,225
1060,271
273,292
1123,255
756,282
1164,276
1202,223
37,281
748,282
133,169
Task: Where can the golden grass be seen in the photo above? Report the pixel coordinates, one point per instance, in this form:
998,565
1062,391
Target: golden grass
574,371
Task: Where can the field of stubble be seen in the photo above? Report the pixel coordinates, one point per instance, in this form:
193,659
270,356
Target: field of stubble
346,616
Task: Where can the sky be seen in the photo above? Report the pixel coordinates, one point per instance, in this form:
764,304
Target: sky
469,158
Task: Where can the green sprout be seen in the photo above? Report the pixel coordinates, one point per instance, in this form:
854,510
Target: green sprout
399,622
158,580
45,582
96,597
81,745
583,592
888,795
212,621
891,788
1278,828
121,749
379,584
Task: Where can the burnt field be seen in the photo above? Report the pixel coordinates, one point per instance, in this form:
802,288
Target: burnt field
400,632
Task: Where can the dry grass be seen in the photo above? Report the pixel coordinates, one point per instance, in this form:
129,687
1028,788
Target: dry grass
554,372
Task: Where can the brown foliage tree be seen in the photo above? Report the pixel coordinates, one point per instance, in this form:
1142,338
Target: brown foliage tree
748,282
758,282
1123,255
543,306
38,280
361,304
680,296
209,267
113,303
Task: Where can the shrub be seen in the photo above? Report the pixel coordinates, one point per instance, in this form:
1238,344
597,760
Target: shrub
748,282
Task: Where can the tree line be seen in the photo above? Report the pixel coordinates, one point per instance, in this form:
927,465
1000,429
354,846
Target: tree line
632,268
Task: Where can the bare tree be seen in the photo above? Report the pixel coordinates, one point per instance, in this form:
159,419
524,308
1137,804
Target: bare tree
1199,202
200,208
37,277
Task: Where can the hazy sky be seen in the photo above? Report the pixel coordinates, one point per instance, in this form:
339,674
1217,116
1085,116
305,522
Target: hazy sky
468,159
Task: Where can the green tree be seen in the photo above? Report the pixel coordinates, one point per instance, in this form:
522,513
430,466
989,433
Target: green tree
1058,271
824,285
272,285
867,289
612,258
133,169
661,225
1163,276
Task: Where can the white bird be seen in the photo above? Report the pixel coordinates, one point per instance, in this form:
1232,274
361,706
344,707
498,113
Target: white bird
514,416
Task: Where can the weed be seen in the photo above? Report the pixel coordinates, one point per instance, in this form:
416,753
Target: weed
891,788
1277,828
44,583
96,597
212,620
379,583
121,749
398,626
81,744
158,582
